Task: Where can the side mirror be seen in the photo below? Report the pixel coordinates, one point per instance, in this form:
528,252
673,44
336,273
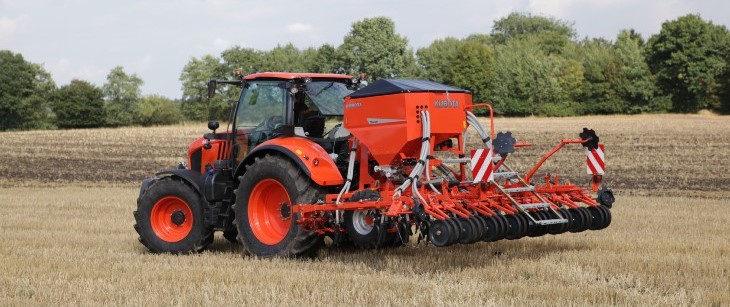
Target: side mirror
211,88
213,125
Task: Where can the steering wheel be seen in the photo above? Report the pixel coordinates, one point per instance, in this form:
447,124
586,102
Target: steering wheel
272,123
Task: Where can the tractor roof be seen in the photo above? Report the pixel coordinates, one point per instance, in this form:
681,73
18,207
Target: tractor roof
397,86
292,75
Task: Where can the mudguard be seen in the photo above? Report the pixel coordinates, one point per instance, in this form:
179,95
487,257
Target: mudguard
190,176
311,158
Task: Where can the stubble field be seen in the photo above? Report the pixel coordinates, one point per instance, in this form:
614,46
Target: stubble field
66,233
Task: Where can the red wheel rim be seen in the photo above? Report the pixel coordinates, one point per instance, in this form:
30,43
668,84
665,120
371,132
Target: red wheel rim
171,219
269,212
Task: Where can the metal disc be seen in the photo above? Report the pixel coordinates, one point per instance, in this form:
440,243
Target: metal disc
467,230
598,217
493,231
440,233
607,214
578,219
456,230
515,226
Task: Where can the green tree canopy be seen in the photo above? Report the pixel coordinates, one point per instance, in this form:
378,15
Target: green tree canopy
24,91
195,102
122,93
688,58
373,47
472,67
635,85
157,110
436,59
516,25
531,82
79,104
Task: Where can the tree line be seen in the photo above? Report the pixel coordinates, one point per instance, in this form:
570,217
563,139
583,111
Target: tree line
527,65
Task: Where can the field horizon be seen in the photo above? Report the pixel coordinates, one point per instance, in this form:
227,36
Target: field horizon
67,196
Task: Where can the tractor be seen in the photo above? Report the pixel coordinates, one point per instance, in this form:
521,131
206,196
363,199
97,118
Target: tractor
309,160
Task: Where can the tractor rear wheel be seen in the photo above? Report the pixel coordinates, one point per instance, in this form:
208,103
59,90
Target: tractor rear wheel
266,225
170,218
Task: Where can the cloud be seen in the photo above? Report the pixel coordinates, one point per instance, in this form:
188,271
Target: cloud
9,26
299,28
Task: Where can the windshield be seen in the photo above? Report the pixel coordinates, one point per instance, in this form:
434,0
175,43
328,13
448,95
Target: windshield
328,96
261,103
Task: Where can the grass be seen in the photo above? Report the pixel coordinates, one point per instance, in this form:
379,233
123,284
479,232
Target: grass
76,246
66,199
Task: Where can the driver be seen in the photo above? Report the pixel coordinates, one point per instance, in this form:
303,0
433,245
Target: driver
299,107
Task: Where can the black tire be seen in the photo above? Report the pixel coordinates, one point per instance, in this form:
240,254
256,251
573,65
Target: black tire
297,241
176,189
367,237
231,234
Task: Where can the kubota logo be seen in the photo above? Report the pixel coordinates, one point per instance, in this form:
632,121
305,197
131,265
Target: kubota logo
353,105
445,103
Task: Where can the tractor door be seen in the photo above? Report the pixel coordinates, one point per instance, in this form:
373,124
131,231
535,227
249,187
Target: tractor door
261,111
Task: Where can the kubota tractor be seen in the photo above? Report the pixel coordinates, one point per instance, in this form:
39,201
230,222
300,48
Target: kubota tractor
306,157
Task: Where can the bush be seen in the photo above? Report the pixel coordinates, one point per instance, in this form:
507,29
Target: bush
157,110
79,105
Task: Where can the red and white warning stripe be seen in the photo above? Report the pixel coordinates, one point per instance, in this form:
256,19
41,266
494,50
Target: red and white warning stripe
481,165
595,161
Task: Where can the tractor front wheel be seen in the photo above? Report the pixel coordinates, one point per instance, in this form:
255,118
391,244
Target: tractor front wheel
267,226
169,218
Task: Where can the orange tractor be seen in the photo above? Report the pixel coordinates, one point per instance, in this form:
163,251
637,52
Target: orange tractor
306,156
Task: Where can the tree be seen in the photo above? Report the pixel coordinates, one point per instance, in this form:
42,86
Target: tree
122,93
516,25
688,58
79,104
635,83
24,89
529,81
435,60
373,47
472,67
39,114
283,58
601,72
195,102
321,60
246,59
157,110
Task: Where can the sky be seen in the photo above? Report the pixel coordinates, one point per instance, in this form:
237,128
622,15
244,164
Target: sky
154,39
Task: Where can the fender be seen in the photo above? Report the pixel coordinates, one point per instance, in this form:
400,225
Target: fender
311,158
190,176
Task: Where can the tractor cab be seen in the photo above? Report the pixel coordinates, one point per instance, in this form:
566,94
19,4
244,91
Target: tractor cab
287,104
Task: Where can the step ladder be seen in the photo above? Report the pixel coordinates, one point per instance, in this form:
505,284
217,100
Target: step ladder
524,208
